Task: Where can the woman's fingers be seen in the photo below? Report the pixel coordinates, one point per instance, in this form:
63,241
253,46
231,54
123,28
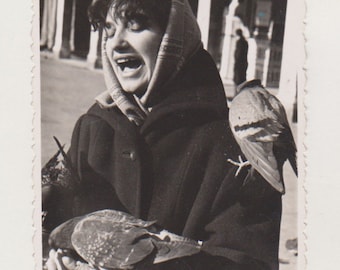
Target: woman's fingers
109,75
64,262
69,262
58,261
50,264
104,40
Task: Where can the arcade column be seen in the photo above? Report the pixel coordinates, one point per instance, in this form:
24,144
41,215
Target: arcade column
227,43
59,28
73,31
292,80
82,28
203,19
262,38
66,25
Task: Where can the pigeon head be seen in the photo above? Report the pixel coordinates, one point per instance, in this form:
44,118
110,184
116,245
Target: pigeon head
249,84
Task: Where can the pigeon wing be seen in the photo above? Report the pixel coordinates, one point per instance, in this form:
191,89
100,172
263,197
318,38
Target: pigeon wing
109,244
261,157
285,143
121,217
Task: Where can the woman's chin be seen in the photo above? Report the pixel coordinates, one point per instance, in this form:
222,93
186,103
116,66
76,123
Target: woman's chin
136,89
134,85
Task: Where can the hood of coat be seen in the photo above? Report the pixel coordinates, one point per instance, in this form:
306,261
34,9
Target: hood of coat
196,95
181,40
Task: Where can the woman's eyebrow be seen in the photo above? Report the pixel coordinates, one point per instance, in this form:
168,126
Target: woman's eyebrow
137,15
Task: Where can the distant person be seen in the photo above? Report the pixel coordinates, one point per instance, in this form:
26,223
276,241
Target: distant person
241,62
48,25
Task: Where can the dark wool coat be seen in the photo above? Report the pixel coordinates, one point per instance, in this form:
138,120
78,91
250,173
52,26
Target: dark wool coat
174,169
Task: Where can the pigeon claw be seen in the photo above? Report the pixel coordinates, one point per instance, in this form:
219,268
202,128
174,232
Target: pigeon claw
240,164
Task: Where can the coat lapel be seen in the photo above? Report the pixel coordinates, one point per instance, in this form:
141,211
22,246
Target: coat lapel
126,161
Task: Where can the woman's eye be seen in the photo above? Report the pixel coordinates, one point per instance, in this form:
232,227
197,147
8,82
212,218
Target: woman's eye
110,29
136,26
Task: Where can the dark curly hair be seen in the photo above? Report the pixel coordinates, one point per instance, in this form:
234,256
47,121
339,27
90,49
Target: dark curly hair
130,9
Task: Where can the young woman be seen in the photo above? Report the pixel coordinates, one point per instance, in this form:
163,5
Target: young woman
156,144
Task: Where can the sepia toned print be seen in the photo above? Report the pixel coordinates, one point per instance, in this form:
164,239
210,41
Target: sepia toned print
169,134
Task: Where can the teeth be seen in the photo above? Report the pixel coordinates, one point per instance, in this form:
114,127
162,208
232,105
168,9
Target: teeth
128,64
127,69
122,60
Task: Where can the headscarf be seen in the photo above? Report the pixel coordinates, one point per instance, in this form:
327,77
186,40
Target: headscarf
181,40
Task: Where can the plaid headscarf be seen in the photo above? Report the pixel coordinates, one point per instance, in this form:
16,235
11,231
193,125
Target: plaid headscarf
182,39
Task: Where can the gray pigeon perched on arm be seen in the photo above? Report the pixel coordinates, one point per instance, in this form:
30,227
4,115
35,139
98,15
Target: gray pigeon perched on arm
111,239
259,123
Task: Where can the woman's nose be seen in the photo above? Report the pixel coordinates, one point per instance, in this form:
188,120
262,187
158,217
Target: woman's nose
118,41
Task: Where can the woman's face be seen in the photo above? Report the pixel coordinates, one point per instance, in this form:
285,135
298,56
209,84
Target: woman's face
132,47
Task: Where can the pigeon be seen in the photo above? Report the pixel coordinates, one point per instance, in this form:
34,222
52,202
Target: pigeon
59,171
259,124
59,183
50,172
110,239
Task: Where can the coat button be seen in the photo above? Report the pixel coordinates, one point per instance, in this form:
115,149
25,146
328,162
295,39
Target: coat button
130,155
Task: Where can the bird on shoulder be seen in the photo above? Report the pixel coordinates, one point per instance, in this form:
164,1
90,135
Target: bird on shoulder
259,124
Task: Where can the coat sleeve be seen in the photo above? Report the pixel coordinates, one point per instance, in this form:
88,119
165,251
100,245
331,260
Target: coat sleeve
246,229
242,232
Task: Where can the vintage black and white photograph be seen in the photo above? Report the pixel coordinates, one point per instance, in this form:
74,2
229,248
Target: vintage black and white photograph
171,134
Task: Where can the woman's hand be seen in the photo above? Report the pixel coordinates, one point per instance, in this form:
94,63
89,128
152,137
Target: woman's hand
58,260
109,74
110,77
105,99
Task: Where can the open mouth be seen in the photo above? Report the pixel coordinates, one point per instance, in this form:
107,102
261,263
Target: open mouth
128,64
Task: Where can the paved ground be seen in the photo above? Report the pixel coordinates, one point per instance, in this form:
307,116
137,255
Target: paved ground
68,89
